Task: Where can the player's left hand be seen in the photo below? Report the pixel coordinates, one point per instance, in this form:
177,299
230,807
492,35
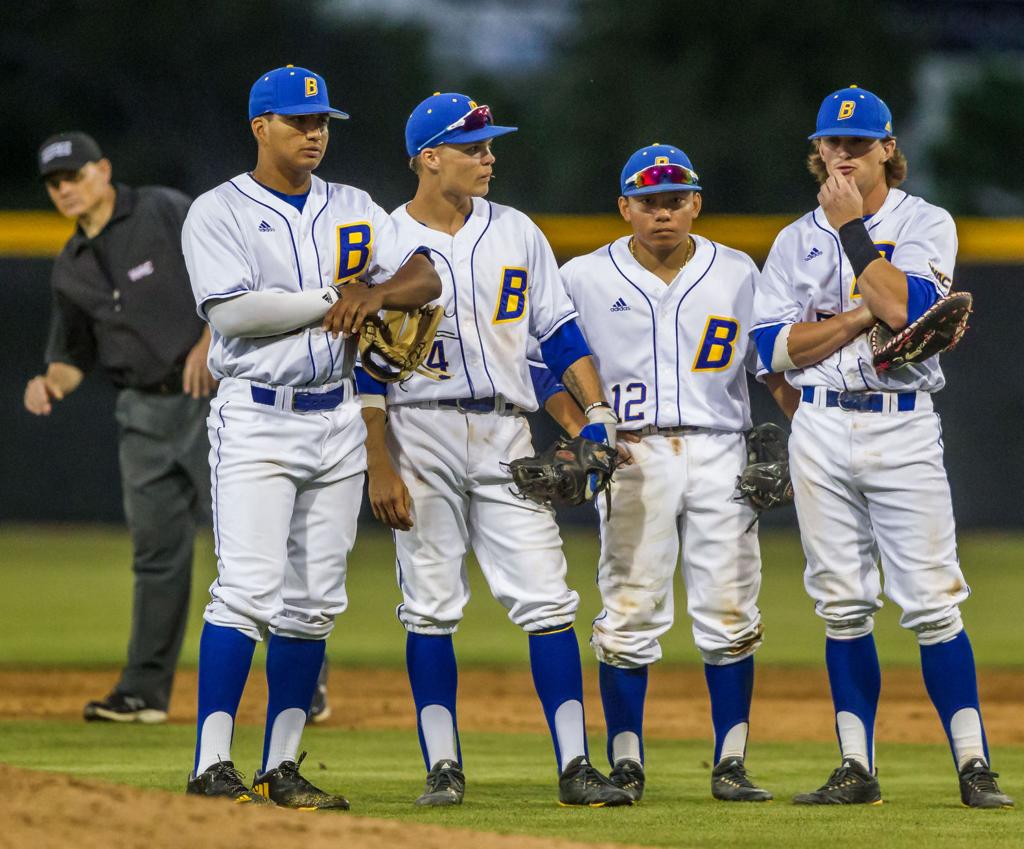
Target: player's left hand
355,302
389,498
196,379
840,200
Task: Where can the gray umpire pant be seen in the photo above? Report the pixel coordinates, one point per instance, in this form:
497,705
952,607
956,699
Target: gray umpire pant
165,476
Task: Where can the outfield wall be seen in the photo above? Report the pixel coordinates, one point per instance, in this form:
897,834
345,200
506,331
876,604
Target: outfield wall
65,467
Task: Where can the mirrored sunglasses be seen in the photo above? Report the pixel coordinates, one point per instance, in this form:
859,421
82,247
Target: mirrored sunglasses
475,119
662,175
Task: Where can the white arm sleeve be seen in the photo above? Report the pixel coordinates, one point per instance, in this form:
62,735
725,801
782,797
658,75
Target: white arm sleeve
256,314
781,361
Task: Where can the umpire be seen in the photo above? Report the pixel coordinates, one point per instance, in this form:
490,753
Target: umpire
122,303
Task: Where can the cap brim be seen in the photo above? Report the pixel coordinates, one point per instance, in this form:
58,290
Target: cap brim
846,131
63,165
661,189
302,109
457,137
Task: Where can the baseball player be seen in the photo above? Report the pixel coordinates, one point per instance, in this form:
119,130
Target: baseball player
680,392
450,440
273,254
866,447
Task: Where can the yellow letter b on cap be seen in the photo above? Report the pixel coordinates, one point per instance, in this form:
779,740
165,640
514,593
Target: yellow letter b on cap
845,109
311,88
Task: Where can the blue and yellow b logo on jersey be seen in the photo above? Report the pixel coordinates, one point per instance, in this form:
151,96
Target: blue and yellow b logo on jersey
885,250
355,244
512,297
310,86
846,109
718,344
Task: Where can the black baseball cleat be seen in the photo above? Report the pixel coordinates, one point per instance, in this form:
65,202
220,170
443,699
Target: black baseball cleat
730,783
223,780
285,787
851,784
628,775
118,707
446,785
978,788
581,784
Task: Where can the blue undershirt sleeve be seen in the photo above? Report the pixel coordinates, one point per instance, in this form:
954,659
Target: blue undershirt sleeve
369,385
563,347
544,383
921,295
764,341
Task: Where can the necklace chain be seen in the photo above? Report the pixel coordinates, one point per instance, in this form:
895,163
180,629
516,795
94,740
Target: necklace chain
691,245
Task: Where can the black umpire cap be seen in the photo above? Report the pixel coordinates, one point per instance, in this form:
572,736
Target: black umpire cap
67,152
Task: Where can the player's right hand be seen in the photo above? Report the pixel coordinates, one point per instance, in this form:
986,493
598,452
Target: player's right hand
356,302
389,498
39,395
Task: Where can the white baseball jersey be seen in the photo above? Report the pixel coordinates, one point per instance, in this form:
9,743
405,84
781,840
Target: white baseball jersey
808,278
239,237
669,355
500,290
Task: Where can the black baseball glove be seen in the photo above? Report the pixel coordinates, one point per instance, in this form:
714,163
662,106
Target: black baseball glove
765,481
939,329
569,472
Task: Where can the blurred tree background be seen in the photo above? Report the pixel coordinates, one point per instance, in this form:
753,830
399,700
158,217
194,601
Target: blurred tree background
163,86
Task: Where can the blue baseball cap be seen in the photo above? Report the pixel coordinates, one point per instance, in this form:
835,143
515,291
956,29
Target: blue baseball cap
853,111
665,169
290,91
449,117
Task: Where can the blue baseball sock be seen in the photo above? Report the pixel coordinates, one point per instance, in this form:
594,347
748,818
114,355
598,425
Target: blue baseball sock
856,682
951,682
558,679
434,678
623,692
293,667
731,687
225,656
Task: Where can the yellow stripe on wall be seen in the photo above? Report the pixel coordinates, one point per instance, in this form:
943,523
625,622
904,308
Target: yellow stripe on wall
33,234
995,240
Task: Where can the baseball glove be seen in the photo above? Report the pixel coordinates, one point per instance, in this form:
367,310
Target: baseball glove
765,482
395,345
569,472
939,329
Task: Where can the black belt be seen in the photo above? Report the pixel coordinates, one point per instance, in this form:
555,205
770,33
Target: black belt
171,386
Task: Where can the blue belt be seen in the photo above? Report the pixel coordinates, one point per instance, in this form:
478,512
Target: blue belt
470,405
302,402
861,402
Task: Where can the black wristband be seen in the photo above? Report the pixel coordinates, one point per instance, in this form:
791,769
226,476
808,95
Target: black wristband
857,245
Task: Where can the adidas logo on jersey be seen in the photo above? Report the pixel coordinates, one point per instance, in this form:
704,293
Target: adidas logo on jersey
265,228
620,306
813,253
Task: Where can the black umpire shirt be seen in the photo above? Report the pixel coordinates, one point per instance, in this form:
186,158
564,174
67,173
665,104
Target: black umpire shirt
122,300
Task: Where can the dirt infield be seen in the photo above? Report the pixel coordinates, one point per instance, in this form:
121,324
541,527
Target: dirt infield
789,703
53,811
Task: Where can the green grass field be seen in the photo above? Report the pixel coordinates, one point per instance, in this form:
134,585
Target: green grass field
65,602
76,581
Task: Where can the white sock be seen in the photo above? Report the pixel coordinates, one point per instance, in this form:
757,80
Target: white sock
965,728
735,743
214,740
438,729
569,730
853,738
625,745
285,736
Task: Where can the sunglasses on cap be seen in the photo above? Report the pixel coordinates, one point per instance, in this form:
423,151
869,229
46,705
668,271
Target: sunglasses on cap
661,175
474,119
